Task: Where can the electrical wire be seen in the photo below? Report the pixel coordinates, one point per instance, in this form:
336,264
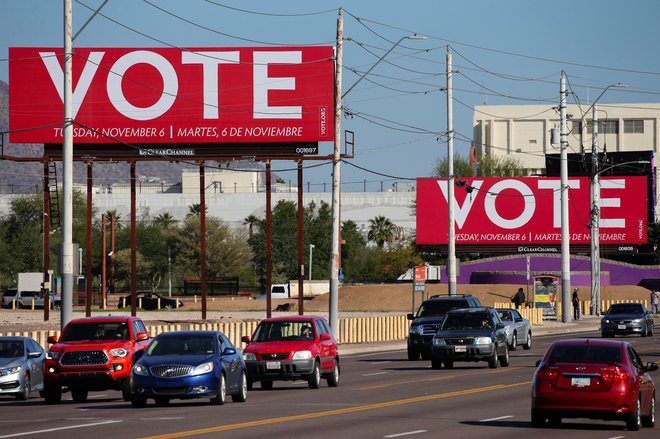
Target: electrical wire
270,14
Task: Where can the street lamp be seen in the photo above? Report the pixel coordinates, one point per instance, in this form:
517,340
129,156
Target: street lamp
407,37
311,250
595,206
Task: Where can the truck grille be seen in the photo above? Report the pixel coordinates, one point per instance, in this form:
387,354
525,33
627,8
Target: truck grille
171,371
459,341
430,329
84,358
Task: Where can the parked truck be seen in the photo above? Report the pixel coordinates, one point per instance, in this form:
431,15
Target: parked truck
311,288
28,293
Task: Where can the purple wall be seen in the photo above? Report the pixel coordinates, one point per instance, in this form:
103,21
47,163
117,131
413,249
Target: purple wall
513,269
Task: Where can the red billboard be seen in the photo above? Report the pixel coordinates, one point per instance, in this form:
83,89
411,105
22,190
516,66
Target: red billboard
173,95
515,211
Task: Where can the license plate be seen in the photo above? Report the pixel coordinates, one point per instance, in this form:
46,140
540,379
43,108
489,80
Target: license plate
622,326
273,365
460,348
580,382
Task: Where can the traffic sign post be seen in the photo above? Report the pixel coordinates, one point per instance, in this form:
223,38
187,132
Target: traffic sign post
419,283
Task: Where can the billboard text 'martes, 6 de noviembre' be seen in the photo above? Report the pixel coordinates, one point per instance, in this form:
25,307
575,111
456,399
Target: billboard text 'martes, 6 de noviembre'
514,211
173,95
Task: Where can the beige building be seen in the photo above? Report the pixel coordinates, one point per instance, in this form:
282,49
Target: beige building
522,132
219,182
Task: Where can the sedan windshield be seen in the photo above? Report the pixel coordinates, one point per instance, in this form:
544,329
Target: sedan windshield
11,348
182,345
467,320
578,353
626,308
294,330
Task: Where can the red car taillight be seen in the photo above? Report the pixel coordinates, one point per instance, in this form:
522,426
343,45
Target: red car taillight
548,372
614,374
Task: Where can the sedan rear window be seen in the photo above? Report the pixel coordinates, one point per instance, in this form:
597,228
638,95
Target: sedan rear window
579,353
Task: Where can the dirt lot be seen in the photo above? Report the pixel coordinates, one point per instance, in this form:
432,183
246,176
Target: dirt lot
352,299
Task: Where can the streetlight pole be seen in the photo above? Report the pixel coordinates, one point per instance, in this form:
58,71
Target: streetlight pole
563,172
451,231
311,250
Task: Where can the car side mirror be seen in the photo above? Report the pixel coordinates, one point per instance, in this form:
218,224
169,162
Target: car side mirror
537,363
651,366
51,339
229,351
410,316
142,336
325,336
35,354
500,325
519,319
245,339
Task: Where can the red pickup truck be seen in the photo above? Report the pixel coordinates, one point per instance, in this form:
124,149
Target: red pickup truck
94,353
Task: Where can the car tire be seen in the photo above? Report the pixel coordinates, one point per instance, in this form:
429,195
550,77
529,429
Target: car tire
314,378
538,419
266,384
645,332
221,395
504,359
138,403
241,396
649,420
651,330
492,361
425,356
27,389
333,377
634,421
528,342
126,390
514,342
52,393
449,364
250,383
436,363
413,355
79,395
554,421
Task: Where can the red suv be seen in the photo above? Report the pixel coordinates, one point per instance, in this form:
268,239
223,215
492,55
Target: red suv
292,348
596,379
94,353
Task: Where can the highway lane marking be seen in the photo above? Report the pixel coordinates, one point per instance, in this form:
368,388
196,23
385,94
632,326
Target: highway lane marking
440,378
356,409
50,430
617,437
373,354
372,374
407,433
496,419
380,362
164,418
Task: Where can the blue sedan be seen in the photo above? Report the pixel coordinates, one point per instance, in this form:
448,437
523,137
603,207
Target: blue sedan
188,364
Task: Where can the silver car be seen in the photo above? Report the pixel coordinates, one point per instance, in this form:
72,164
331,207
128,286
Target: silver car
627,318
21,367
518,329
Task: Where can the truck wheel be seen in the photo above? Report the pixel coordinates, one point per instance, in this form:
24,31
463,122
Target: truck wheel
333,378
436,363
413,355
79,395
492,361
52,393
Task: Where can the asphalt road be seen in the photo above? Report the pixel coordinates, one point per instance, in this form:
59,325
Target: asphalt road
381,395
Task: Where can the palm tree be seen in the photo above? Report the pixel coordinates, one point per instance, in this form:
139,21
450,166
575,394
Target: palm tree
195,209
381,231
165,220
250,221
118,221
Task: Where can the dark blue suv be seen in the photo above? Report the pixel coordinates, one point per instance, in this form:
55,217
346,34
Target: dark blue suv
428,320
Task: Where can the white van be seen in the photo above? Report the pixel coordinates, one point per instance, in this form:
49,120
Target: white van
279,291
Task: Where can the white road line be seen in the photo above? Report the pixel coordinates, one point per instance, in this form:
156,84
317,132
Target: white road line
380,362
171,418
407,433
617,437
50,430
496,419
103,395
372,374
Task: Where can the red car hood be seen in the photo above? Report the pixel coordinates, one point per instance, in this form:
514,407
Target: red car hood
276,347
90,345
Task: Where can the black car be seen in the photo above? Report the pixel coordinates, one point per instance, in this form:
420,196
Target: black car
626,318
428,319
150,301
475,334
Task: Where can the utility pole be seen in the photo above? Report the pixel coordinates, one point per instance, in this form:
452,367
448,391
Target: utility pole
336,183
451,247
595,218
563,172
66,253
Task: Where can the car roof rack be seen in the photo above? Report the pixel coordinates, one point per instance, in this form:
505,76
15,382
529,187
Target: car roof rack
436,296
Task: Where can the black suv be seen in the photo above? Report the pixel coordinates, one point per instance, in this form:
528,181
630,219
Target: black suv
475,334
428,319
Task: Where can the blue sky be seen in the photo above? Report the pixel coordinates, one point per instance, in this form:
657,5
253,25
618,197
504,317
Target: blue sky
506,52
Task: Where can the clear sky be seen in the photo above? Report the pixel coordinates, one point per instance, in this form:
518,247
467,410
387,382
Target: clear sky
506,52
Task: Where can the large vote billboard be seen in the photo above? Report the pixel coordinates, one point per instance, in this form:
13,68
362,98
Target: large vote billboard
527,210
174,95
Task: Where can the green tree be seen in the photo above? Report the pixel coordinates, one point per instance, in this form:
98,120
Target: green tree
251,221
381,231
488,166
353,242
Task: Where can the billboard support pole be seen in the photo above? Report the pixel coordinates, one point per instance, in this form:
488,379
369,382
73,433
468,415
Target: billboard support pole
563,171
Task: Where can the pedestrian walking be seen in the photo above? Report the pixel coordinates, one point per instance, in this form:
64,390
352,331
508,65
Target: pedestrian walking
519,298
655,301
576,304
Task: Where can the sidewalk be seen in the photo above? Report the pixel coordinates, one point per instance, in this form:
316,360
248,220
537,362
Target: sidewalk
585,324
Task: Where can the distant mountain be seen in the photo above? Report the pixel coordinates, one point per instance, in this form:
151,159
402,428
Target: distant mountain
27,177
